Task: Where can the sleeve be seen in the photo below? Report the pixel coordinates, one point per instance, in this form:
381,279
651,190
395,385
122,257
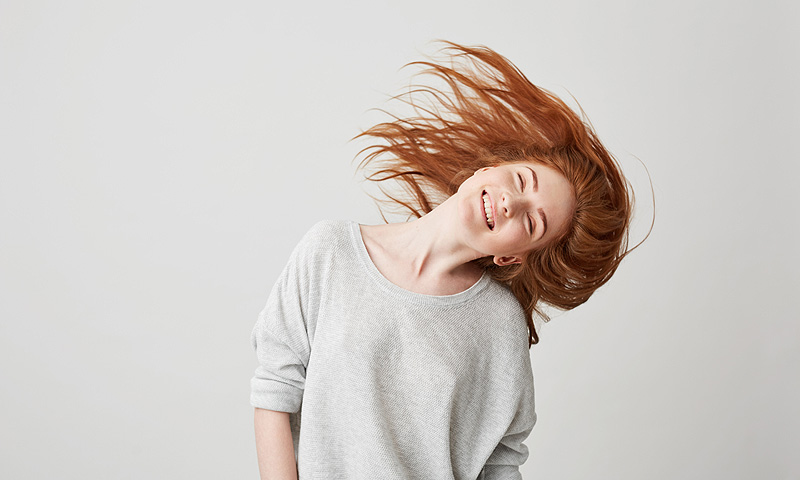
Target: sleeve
511,452
281,336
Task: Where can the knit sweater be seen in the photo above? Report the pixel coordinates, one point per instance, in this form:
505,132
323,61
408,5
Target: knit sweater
382,382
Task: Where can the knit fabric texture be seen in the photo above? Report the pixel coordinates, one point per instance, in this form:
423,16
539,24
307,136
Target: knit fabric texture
382,382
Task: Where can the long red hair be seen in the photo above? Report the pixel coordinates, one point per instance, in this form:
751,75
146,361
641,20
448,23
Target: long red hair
487,113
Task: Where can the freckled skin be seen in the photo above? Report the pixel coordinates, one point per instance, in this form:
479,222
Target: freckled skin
514,206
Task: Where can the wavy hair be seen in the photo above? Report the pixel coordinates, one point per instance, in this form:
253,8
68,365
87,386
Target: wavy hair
487,112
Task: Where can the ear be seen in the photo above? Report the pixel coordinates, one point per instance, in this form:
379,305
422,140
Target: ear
503,261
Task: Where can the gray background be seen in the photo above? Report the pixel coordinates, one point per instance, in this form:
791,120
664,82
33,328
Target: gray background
161,159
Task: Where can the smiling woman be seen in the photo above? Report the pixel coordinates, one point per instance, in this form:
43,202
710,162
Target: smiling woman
492,115
511,203
403,348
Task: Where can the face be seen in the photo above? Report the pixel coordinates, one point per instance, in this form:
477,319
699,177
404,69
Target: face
511,209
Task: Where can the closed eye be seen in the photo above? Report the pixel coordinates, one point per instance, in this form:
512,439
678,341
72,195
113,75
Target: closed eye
530,225
521,182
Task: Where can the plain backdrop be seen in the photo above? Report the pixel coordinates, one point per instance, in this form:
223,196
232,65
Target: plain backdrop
160,159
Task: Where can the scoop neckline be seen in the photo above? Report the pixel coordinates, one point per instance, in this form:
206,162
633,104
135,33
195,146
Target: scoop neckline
384,283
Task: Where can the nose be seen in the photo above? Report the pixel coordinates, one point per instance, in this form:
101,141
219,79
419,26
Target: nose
512,202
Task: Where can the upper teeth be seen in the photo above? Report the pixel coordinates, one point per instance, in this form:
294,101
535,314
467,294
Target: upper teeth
487,205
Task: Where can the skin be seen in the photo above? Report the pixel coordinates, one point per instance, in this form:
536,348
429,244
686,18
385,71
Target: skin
531,204
274,445
433,254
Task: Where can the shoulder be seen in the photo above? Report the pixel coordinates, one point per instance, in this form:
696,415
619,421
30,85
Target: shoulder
326,231
323,241
507,306
509,323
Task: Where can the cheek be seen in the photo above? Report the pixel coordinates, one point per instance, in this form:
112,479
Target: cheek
517,241
472,220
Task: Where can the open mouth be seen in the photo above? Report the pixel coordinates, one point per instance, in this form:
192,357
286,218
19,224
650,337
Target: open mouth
487,207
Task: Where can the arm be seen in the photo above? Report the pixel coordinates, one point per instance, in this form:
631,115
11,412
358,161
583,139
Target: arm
511,452
274,445
282,340
509,455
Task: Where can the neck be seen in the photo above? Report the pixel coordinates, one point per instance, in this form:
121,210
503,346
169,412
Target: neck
431,245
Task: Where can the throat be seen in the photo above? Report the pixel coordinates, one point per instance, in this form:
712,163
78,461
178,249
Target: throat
417,272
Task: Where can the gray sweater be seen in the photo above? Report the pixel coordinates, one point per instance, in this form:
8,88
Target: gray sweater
393,384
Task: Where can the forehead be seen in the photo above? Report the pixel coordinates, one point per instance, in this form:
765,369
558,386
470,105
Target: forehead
533,165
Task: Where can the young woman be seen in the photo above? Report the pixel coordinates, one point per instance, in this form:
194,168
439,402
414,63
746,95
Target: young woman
401,351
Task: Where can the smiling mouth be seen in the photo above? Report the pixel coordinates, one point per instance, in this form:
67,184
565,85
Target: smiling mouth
487,207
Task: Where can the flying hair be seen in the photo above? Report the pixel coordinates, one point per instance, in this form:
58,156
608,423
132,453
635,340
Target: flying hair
486,113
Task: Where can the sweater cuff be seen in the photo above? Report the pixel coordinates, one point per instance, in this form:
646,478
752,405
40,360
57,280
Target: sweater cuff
274,395
500,472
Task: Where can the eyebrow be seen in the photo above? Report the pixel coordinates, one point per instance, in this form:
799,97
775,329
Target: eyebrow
535,189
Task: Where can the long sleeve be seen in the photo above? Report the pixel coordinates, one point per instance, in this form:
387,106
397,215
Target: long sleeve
282,335
511,452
